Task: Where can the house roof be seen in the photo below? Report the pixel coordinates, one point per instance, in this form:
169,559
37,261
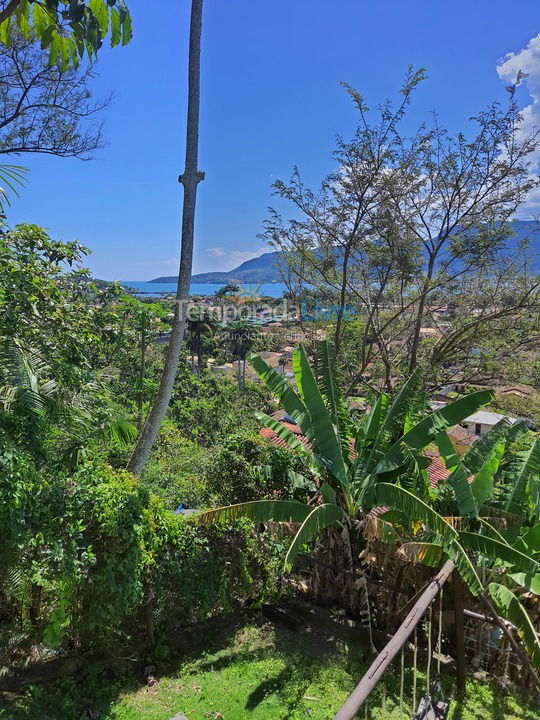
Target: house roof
462,435
485,417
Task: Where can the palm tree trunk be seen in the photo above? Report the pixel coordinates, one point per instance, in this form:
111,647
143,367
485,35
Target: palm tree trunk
190,179
142,373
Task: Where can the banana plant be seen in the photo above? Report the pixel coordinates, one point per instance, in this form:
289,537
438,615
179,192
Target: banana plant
490,498
358,466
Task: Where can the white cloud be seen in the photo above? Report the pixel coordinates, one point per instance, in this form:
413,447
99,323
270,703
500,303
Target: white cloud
226,259
527,60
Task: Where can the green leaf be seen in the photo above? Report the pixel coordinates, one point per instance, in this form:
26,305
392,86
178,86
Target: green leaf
497,550
482,483
427,429
127,28
257,510
288,399
524,466
529,541
332,394
527,581
101,13
510,608
464,565
56,48
322,433
5,32
65,54
447,452
397,498
116,31
320,517
40,19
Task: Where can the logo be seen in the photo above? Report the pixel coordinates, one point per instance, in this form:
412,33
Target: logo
246,293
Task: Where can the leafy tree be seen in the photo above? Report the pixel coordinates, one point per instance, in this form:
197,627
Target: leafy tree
201,326
209,408
239,337
43,108
406,225
226,291
55,339
68,28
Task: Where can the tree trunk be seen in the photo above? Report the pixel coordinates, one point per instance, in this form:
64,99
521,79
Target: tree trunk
190,179
142,373
413,360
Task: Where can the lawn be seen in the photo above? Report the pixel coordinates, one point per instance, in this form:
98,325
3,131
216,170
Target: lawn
247,669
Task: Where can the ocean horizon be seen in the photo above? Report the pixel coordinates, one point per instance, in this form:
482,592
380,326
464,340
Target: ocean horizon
152,289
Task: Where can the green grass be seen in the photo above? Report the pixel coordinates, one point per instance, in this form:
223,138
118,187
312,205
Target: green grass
246,670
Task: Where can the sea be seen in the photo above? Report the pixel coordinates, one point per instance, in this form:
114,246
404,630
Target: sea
151,289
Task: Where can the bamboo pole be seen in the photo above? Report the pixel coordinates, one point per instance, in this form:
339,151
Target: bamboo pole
366,685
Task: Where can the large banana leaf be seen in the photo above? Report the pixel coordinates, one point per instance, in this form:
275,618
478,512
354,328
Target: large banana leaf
322,434
397,498
475,456
459,481
395,414
332,394
320,517
285,434
447,451
510,608
369,428
257,510
499,551
482,483
288,399
529,542
527,581
464,565
520,470
427,429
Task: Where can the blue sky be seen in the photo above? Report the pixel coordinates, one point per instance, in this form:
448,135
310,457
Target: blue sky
270,99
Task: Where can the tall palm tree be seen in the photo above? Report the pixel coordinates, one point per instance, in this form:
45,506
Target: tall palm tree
379,462
190,179
240,338
201,326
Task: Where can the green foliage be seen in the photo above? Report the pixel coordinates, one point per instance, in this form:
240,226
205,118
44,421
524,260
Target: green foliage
175,470
209,408
77,539
68,28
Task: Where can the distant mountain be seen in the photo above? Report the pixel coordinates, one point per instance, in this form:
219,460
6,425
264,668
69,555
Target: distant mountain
264,269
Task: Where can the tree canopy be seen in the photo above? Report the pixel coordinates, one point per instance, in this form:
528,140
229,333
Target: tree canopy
69,29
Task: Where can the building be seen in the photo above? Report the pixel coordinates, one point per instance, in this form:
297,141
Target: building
480,422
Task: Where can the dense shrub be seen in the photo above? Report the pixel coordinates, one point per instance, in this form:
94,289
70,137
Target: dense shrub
80,552
175,470
245,467
208,409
